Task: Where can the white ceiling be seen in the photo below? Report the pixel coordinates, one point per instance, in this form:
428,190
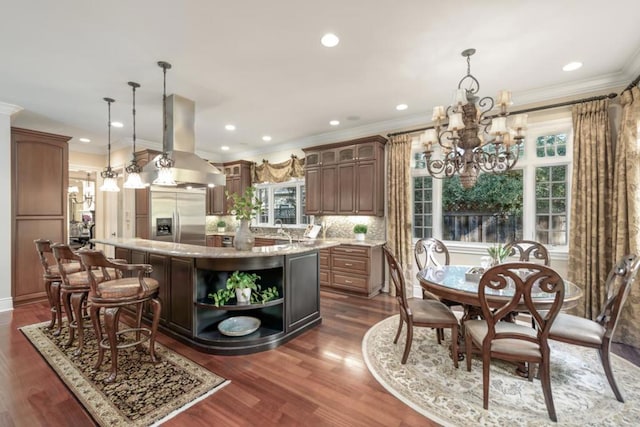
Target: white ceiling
260,65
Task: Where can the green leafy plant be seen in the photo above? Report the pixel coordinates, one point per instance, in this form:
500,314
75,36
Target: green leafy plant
244,206
242,280
221,224
498,253
360,229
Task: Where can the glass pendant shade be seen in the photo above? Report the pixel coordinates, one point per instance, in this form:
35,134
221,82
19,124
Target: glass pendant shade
165,177
110,184
134,181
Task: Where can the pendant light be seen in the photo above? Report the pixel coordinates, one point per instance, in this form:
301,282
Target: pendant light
133,170
109,176
164,163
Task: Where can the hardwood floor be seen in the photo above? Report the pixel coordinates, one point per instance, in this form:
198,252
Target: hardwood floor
317,379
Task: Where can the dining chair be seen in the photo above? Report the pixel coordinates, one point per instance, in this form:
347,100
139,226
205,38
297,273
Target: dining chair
493,338
529,251
114,293
431,252
599,333
428,313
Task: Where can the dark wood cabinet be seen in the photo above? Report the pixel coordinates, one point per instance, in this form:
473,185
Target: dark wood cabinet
301,290
180,316
238,179
142,197
216,201
39,181
353,269
346,178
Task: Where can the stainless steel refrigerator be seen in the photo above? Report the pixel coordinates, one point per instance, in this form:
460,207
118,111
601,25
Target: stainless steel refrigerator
178,215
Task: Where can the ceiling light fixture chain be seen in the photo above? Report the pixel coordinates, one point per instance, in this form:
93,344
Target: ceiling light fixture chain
471,141
109,175
133,169
164,163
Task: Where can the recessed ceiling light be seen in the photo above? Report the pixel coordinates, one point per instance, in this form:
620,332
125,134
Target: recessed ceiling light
224,148
572,66
401,107
117,124
266,138
329,40
334,122
85,140
230,127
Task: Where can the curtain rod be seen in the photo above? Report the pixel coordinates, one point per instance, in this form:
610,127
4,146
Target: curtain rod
529,110
633,83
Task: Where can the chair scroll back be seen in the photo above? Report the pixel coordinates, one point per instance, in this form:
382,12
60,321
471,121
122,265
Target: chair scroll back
523,278
95,259
397,278
528,251
618,285
430,252
43,246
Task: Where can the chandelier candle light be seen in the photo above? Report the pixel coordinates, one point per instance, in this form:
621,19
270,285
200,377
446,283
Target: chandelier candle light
164,163
133,169
108,175
472,140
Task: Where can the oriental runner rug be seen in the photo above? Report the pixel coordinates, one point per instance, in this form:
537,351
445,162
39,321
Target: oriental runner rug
143,394
430,384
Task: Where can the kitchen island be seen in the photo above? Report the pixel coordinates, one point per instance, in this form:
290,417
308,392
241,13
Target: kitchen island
188,274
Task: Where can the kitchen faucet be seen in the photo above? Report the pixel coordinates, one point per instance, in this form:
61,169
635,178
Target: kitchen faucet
281,230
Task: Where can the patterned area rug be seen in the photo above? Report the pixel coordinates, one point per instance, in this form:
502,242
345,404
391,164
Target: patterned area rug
430,384
143,394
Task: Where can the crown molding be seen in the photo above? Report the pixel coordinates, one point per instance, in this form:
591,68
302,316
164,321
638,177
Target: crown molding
9,109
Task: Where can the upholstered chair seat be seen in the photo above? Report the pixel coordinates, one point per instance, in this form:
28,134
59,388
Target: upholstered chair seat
478,331
573,328
120,289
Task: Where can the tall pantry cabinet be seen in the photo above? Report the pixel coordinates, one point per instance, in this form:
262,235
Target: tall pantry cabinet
39,181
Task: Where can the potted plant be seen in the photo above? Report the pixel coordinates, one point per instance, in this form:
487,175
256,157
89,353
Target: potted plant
360,230
222,226
244,207
244,287
498,253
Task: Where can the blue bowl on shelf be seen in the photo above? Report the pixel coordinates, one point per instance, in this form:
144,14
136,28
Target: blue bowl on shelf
239,326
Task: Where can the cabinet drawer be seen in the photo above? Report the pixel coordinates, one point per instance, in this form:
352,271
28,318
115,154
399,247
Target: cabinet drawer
324,259
350,250
324,276
345,281
351,264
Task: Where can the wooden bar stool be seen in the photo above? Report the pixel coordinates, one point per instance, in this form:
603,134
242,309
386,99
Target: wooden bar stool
74,290
114,293
52,280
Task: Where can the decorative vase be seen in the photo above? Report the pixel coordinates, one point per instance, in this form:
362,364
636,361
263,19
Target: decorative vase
243,296
360,237
221,229
244,239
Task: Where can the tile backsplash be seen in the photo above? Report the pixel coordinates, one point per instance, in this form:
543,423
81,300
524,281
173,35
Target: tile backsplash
336,226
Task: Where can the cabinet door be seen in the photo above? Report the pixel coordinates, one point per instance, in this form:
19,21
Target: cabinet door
346,196
215,200
313,188
181,294
366,151
312,159
328,157
365,193
329,189
346,154
160,265
302,291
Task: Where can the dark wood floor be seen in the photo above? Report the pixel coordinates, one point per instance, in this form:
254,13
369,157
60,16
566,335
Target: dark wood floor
318,379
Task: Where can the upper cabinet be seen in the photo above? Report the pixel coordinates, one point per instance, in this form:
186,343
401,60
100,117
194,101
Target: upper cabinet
238,175
142,197
346,178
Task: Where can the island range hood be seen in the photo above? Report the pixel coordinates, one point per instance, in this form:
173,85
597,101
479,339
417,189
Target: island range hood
188,169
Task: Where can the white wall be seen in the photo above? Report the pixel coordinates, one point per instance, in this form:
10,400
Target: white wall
6,110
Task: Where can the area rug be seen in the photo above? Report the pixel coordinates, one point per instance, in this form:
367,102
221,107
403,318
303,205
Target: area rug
144,393
430,384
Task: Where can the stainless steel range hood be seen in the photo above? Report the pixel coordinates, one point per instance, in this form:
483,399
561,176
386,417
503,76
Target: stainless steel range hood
188,169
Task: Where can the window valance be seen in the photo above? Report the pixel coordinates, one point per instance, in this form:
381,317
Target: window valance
278,172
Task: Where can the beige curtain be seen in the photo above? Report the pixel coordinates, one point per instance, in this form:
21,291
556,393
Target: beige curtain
626,207
590,252
278,172
399,205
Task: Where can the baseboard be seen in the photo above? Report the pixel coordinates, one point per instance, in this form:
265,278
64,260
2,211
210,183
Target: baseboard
6,304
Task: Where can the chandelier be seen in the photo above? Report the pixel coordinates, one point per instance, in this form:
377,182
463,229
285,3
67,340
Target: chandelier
472,141
133,169
87,194
109,176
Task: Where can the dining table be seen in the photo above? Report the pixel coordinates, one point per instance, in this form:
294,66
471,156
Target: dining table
459,284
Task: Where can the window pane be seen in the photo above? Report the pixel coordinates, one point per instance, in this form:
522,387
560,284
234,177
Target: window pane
490,211
263,195
551,205
422,207
284,204
303,200
551,145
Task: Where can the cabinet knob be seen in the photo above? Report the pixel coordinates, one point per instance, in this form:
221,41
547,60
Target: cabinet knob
348,281
348,264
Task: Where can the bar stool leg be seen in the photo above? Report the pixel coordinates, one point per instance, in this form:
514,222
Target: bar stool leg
48,284
77,300
157,309
111,316
66,301
56,307
94,313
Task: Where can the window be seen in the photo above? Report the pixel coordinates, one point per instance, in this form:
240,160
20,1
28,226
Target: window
529,202
282,202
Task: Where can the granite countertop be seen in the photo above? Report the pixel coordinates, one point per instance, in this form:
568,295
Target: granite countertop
194,251
281,237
